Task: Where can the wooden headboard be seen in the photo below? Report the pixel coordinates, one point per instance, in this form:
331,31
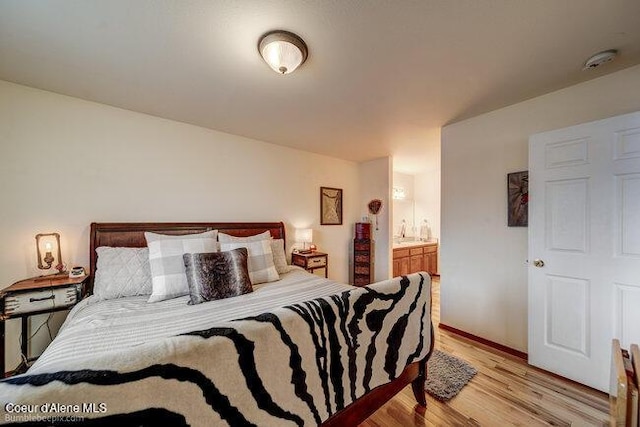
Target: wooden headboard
131,234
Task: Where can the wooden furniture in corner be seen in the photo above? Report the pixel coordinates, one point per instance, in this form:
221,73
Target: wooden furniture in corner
415,258
363,255
623,395
311,261
38,295
363,262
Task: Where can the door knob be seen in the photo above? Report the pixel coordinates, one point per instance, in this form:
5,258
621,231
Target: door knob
538,263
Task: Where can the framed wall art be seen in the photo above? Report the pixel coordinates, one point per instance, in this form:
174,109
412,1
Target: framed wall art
330,206
518,199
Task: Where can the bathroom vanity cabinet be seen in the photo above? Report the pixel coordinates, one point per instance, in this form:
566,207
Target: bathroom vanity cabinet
418,256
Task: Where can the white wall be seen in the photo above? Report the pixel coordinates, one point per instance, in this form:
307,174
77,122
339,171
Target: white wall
484,275
376,177
427,196
65,162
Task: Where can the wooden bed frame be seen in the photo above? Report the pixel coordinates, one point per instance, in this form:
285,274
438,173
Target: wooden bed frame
132,235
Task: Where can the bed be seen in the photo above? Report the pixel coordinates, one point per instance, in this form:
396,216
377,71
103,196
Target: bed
303,350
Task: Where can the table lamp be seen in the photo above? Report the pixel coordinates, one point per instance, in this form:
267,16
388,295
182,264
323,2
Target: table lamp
304,235
49,244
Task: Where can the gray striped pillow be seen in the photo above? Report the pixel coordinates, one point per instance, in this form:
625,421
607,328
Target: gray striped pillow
168,276
277,247
260,262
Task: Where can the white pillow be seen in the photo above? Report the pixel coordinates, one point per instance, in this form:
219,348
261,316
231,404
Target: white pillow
260,261
122,272
279,256
227,238
277,247
168,275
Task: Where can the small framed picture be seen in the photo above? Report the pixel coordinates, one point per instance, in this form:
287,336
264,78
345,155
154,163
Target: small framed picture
518,199
330,206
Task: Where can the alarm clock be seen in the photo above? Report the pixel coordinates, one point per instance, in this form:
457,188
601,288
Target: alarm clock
76,272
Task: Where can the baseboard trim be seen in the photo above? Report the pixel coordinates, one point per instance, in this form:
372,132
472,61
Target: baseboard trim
489,343
515,353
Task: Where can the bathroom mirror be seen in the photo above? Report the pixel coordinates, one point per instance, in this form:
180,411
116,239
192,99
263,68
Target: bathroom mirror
404,224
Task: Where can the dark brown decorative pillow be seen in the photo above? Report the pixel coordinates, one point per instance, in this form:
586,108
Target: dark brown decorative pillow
217,275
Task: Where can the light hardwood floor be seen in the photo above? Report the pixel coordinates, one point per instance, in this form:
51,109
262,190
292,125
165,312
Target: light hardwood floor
506,391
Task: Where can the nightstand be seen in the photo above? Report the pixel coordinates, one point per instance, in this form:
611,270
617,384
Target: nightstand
37,295
311,261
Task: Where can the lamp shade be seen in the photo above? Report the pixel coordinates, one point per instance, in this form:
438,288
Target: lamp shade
304,235
282,51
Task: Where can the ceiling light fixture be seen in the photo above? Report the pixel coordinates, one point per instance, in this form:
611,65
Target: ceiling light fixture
600,58
283,51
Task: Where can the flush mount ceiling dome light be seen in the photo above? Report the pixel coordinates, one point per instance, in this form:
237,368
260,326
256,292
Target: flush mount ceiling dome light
283,51
600,58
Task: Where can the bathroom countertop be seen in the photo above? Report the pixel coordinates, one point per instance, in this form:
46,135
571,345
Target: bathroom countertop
413,243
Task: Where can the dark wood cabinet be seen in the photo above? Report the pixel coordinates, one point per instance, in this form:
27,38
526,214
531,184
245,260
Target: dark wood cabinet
311,261
363,255
411,259
362,262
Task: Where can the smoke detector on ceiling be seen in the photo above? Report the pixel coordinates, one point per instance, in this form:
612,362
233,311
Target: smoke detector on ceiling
600,58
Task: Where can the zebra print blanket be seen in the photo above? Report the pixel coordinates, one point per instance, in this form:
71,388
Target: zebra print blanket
296,365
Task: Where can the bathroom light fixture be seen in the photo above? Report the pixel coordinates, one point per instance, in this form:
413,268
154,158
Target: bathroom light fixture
282,51
398,193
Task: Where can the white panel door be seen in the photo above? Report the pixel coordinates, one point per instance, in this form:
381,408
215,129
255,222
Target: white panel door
584,246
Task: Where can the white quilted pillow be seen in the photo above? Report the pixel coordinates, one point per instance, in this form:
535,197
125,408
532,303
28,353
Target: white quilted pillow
122,272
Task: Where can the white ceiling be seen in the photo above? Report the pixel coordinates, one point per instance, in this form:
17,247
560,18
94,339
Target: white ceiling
381,79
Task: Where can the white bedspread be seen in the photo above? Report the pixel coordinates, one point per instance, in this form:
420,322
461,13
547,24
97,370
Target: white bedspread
294,366
95,327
